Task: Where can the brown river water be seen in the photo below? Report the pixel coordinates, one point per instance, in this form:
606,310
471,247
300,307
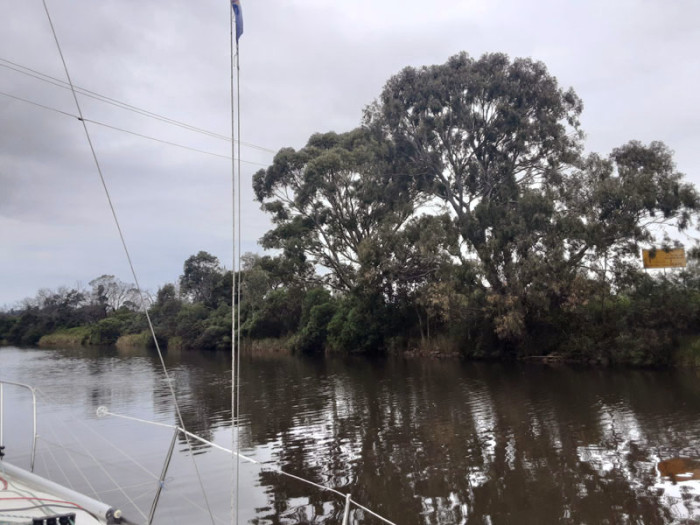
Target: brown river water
418,441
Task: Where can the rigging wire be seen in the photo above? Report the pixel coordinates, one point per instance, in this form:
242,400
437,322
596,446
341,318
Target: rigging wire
67,429
102,468
72,459
8,64
69,484
128,256
261,463
98,123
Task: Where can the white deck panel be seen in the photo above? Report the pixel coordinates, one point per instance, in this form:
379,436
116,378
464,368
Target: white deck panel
21,502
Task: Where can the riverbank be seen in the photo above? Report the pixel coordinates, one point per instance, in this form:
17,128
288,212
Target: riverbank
685,355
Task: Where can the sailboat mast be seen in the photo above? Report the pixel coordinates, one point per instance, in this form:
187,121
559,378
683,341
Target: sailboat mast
236,20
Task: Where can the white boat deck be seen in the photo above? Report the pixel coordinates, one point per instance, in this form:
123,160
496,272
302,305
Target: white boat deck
29,499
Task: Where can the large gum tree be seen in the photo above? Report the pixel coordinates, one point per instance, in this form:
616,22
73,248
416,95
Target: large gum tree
498,143
345,203
489,137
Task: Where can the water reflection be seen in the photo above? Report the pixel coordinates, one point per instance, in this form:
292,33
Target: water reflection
440,443
420,442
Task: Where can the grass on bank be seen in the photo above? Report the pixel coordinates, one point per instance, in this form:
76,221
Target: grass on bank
80,335
140,340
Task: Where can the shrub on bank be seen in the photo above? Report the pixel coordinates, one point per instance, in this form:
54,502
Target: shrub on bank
175,343
688,353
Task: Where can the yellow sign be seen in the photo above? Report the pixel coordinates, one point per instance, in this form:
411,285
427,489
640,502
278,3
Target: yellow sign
664,258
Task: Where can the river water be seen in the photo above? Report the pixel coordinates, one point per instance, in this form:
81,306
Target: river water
418,441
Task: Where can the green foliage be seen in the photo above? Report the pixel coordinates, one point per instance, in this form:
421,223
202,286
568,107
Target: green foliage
314,297
688,353
643,324
47,312
7,322
660,311
29,327
333,197
217,331
165,310
106,331
199,328
190,323
318,309
277,317
124,321
312,337
489,137
201,279
356,327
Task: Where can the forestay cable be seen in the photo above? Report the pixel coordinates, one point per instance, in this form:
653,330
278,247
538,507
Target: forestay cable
128,257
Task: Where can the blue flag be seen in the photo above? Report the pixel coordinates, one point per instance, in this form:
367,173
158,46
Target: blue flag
236,4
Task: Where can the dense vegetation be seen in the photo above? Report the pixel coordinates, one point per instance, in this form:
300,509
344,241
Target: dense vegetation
461,216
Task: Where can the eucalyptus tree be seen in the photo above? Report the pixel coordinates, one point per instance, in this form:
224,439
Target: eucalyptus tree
632,198
343,203
476,162
203,280
498,142
491,139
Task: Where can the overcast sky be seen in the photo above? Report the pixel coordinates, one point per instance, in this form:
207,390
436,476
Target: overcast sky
306,66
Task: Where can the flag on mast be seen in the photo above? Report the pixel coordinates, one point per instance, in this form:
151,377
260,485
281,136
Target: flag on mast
236,4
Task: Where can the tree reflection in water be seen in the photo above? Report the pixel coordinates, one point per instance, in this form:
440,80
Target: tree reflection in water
445,442
420,442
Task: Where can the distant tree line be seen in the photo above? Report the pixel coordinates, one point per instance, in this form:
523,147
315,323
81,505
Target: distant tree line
462,216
